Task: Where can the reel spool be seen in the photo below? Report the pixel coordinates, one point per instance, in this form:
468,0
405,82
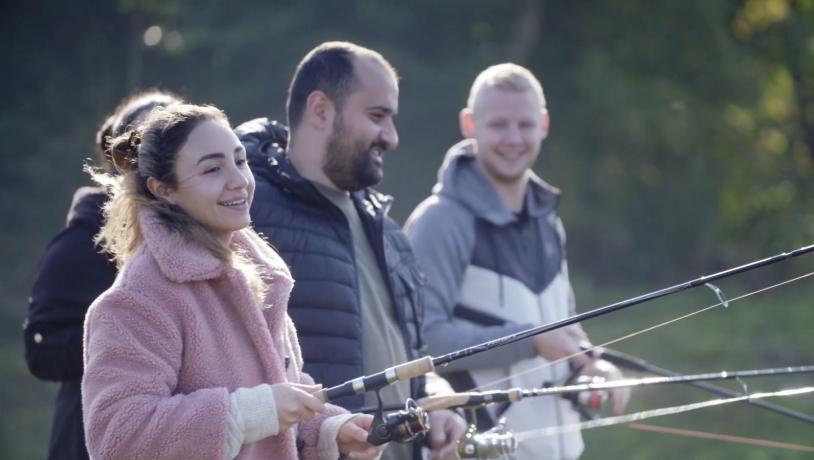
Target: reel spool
407,425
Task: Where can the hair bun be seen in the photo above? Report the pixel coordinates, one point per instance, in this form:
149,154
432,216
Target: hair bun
123,151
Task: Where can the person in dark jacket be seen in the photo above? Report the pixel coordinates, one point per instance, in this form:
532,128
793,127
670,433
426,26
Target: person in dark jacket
356,302
71,274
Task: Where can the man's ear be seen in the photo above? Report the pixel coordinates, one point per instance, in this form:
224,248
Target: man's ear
320,110
467,123
545,123
159,189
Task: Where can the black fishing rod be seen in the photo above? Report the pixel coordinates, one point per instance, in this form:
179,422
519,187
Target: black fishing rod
631,362
427,364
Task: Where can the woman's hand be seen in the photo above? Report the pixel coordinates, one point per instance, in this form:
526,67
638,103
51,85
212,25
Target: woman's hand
352,438
296,402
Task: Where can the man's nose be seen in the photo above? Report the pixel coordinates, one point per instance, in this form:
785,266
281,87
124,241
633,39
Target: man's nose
389,135
513,135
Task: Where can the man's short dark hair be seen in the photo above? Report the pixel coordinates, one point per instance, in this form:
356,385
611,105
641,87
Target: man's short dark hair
327,68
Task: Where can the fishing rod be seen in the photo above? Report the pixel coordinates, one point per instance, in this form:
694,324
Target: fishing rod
631,362
476,399
643,415
499,442
427,364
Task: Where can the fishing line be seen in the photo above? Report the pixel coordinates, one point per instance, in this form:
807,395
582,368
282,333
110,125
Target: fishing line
721,437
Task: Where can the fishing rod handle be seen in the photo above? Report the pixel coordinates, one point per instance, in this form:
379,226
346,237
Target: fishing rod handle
414,368
390,375
469,399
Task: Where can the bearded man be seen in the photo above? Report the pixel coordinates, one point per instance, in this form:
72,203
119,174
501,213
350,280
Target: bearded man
356,299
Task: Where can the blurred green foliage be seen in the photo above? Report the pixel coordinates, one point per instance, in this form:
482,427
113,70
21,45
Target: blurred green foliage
682,136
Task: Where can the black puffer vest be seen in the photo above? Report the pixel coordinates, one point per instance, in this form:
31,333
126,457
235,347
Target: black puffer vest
314,239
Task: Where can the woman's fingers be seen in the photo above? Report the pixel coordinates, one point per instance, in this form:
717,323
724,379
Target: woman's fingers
308,388
295,402
312,404
357,434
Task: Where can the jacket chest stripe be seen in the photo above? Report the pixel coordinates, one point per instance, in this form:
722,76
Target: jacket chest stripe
505,297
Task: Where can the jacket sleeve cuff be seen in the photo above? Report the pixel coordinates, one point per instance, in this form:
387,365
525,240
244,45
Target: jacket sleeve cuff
252,417
327,446
313,436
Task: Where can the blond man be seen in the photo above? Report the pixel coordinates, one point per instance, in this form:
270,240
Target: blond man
493,249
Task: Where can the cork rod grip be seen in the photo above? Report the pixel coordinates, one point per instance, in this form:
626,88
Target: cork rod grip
414,368
471,399
515,394
431,403
404,371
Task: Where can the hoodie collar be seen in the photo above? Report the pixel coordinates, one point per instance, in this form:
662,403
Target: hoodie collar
461,179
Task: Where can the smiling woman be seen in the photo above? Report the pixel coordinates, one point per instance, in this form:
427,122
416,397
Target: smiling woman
215,188
191,353
167,168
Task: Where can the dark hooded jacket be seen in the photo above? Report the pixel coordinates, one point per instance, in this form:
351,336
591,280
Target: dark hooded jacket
71,274
314,238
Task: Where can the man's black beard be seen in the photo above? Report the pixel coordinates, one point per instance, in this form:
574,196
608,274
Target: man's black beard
350,165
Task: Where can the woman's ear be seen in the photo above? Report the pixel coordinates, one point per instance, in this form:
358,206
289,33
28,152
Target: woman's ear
159,189
466,122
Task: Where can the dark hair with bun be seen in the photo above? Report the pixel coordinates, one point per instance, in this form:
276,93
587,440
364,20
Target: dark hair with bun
124,154
126,116
151,150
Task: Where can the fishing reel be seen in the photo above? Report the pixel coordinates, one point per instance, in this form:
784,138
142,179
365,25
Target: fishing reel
588,403
494,443
407,425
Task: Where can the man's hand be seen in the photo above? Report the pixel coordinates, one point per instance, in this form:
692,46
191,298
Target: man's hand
606,370
446,429
295,402
352,439
559,343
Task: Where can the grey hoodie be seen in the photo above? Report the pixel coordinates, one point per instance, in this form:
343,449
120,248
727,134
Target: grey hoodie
491,272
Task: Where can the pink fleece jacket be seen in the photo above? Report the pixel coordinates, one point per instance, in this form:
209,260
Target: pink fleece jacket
175,334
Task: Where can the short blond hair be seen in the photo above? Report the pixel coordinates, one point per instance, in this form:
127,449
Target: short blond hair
507,77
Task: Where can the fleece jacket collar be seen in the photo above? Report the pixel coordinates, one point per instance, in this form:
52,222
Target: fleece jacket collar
182,260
